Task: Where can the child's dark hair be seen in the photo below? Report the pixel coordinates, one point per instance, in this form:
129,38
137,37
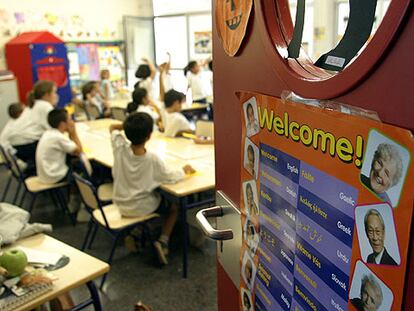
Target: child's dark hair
172,96
189,66
40,89
143,71
138,96
56,116
138,127
15,110
87,88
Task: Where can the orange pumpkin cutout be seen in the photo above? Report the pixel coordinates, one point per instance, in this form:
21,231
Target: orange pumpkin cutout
232,17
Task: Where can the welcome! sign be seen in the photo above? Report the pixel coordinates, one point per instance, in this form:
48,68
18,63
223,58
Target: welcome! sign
327,205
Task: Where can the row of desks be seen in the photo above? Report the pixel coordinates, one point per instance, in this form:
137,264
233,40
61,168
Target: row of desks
176,152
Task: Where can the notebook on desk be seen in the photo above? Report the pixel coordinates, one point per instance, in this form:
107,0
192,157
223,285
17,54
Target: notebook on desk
10,301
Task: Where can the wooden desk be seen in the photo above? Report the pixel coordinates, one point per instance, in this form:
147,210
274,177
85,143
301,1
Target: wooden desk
177,152
82,269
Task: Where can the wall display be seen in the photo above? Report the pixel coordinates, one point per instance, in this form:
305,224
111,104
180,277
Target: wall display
326,208
203,42
232,17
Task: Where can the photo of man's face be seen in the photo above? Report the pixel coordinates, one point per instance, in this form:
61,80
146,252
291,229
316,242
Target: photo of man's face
375,233
370,299
382,174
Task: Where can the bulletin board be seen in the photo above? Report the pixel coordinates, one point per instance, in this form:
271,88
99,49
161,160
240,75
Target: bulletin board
327,204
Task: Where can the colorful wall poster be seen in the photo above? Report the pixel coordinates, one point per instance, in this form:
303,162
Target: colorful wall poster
327,205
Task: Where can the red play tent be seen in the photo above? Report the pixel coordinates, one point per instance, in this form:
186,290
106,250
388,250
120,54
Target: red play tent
35,56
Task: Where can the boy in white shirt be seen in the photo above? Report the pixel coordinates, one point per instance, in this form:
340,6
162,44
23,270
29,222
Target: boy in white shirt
175,123
14,110
54,146
138,172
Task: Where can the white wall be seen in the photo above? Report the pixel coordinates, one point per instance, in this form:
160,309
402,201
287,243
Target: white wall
74,20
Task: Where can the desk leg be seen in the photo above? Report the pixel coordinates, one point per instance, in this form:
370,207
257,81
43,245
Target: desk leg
94,295
183,213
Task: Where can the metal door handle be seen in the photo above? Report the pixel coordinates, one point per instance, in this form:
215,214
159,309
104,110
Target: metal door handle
212,233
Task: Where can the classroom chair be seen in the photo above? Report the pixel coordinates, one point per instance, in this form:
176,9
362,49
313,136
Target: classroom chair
92,112
6,163
204,128
80,113
104,191
118,113
33,186
108,217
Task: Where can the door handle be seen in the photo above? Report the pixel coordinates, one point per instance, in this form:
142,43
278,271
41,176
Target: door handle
216,211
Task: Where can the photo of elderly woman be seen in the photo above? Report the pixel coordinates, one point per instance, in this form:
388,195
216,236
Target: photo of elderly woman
368,292
384,169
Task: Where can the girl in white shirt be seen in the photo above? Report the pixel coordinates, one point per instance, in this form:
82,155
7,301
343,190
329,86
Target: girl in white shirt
141,102
146,74
198,82
92,96
32,123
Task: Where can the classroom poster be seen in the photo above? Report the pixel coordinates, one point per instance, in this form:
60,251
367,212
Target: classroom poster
327,204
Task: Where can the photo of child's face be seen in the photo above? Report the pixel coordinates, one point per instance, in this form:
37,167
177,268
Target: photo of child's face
382,173
248,271
246,302
249,196
250,157
250,114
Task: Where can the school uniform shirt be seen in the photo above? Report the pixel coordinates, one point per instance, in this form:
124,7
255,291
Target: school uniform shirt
31,124
5,134
168,85
148,85
105,83
200,85
149,110
174,123
136,178
51,156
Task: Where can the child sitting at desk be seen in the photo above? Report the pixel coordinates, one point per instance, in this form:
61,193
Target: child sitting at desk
14,110
91,95
52,151
175,123
141,102
138,172
32,123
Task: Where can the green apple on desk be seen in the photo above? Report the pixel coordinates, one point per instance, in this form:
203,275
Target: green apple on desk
14,261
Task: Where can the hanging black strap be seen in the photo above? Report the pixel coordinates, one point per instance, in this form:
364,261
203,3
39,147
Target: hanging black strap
358,30
294,45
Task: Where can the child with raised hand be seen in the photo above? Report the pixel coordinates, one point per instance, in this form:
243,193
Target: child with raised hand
146,74
138,173
142,103
165,78
175,123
